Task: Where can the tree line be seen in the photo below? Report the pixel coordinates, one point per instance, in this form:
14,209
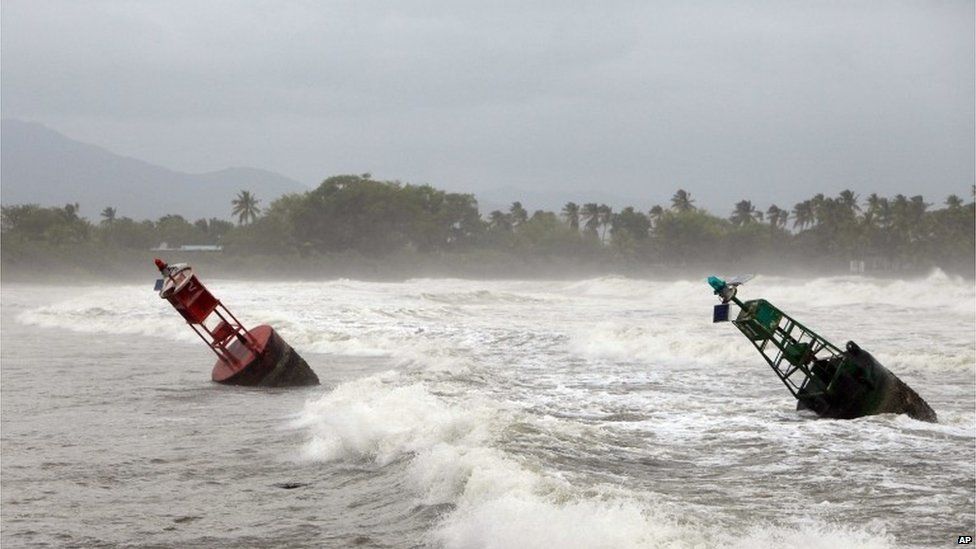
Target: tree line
368,216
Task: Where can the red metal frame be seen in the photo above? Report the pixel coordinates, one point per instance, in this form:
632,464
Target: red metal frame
196,315
218,341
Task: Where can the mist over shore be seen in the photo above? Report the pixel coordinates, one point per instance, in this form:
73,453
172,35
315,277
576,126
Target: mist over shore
354,226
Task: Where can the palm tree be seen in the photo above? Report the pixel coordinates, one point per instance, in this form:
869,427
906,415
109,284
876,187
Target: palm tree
109,214
682,202
953,202
917,207
874,208
784,217
605,215
499,221
772,215
849,200
656,213
899,211
907,221
817,207
802,214
571,211
884,212
518,213
245,207
71,211
745,213
777,216
591,215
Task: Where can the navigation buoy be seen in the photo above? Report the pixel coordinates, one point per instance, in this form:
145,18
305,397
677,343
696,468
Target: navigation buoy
256,357
832,382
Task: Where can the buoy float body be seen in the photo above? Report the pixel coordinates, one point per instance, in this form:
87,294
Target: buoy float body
255,357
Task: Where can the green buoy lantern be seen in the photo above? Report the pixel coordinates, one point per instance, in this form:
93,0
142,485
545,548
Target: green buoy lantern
832,382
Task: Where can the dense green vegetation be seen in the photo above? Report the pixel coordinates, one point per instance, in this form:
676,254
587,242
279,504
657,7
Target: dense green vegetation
376,219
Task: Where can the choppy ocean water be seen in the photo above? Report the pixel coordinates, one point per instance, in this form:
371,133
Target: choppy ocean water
599,413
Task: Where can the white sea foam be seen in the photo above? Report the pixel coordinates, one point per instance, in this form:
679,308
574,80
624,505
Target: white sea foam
371,418
601,371
937,290
110,310
538,522
345,317
667,342
499,500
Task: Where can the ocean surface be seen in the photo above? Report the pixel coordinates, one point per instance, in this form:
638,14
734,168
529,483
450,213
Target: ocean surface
607,412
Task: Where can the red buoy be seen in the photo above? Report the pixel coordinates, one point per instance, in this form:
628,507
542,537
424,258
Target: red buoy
256,357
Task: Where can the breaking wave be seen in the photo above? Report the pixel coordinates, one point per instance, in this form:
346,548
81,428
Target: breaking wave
498,500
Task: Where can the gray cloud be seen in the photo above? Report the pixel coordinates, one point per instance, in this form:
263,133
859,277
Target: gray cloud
768,100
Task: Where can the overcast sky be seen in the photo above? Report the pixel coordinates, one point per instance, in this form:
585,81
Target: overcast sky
772,101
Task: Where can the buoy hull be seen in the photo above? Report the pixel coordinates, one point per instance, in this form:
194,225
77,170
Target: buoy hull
275,364
865,387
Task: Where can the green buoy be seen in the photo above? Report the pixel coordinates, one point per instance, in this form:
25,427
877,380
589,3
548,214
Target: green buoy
832,382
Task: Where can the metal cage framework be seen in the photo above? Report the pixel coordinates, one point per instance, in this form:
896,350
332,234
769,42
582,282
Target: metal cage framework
196,304
790,348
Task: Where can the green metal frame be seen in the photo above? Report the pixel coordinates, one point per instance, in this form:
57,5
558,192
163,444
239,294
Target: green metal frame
788,346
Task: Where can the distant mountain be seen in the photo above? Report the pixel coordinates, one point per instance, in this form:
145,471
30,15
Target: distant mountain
40,165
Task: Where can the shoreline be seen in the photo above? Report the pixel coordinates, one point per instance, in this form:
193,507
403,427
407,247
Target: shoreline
137,266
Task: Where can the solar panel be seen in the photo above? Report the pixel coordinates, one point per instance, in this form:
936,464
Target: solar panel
720,313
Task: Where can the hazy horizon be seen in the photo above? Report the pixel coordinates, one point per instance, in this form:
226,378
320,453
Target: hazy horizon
767,102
